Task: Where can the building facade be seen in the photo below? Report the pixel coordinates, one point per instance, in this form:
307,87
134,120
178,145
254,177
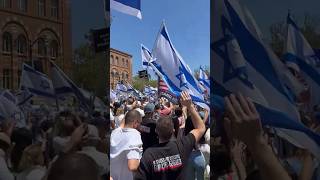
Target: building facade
34,32
120,67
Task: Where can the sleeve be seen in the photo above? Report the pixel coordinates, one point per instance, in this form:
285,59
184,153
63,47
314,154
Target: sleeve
5,173
134,154
143,171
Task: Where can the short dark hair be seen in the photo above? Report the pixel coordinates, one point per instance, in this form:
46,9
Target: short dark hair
132,116
165,127
74,166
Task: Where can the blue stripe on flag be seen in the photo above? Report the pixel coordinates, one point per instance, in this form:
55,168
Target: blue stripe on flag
136,4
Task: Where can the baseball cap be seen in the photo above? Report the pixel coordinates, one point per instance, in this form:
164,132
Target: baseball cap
149,107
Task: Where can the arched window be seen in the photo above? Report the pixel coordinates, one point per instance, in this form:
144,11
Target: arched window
123,76
55,8
5,3
6,42
127,76
54,49
123,62
41,7
117,76
127,63
23,5
117,61
21,44
111,60
42,50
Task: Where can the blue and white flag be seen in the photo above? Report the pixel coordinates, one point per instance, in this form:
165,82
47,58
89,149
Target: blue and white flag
174,71
303,60
120,87
243,63
9,110
36,82
113,96
146,57
131,7
204,80
65,87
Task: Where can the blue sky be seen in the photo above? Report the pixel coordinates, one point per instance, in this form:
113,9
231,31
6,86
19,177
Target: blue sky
187,22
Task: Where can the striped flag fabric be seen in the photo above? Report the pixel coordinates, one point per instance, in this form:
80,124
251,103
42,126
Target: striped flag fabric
243,63
130,7
303,60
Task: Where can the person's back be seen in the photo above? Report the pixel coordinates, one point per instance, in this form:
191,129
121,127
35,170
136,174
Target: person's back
168,159
126,147
148,127
148,135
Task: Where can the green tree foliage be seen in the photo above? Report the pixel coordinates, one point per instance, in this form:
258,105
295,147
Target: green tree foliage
90,70
309,27
139,83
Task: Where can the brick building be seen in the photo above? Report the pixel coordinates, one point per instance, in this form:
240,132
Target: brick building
33,31
120,67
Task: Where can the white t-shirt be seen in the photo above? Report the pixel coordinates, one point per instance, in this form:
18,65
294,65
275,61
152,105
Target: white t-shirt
35,173
100,158
125,144
5,173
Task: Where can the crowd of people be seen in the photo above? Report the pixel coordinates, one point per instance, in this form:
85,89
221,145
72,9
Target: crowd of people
152,138
158,139
55,145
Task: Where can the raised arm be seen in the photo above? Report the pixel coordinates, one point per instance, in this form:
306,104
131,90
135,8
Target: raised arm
199,127
243,121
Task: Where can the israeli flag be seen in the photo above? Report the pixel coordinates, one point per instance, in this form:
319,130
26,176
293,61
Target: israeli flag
204,80
113,95
120,87
303,60
242,63
174,71
146,57
36,82
64,86
131,7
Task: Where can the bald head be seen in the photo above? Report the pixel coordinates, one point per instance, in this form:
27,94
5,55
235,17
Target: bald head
74,166
132,117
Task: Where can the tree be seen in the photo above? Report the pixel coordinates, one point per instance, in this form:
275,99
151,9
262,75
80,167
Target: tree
139,83
90,70
308,28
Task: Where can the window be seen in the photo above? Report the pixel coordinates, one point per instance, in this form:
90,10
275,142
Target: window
54,8
42,50
23,5
6,79
126,62
41,8
5,3
21,44
117,61
6,42
127,76
122,62
111,62
54,49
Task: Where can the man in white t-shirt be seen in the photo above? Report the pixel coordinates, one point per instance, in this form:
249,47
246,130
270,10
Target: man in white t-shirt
138,108
126,148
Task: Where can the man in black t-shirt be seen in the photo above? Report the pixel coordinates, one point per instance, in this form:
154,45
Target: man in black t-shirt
168,159
147,127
